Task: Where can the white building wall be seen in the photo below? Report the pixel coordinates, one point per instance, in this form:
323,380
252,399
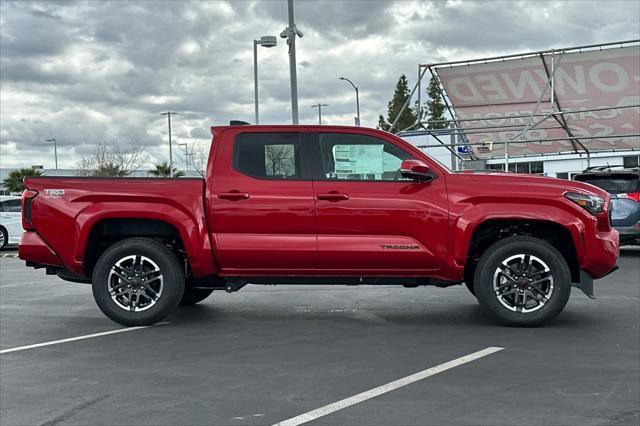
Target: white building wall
571,163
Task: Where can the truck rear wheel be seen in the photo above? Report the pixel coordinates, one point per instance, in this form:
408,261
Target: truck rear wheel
137,281
522,281
192,295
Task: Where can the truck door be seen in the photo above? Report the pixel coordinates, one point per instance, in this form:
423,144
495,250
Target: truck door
261,206
370,220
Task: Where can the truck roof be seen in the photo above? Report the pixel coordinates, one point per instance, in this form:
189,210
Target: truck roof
324,127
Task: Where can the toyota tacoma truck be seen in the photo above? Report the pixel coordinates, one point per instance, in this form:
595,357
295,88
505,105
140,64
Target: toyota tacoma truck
320,205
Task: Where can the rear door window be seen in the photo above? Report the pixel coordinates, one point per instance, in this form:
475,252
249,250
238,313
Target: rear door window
612,184
268,155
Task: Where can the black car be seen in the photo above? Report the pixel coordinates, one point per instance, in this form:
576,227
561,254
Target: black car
624,186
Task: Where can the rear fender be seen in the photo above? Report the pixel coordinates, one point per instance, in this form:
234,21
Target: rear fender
191,228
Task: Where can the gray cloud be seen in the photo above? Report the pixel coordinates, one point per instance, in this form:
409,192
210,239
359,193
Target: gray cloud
86,71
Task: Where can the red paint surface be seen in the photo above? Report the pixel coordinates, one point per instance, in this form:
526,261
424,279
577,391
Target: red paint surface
291,227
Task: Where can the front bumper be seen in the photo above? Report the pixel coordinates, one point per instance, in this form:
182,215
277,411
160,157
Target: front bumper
601,253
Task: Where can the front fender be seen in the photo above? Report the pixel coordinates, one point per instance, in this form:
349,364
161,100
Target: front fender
464,225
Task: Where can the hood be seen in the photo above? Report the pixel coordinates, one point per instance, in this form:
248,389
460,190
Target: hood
523,184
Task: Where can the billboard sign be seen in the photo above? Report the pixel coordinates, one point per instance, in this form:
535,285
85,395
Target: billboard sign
593,96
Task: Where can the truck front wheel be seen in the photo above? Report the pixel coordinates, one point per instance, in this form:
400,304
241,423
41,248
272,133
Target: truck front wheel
522,281
138,281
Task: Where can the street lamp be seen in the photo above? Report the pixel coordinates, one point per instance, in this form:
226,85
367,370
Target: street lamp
290,33
319,106
265,41
169,114
357,100
186,154
55,149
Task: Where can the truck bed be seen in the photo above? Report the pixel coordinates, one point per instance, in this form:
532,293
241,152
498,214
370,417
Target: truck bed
66,209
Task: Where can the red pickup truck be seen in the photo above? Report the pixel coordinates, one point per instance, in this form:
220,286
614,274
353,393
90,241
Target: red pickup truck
320,205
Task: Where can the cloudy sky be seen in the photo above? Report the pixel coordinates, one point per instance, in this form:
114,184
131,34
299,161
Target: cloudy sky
87,72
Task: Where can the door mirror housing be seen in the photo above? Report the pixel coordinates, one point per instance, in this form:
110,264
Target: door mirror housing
416,170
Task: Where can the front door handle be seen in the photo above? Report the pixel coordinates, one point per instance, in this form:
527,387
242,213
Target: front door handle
234,195
333,196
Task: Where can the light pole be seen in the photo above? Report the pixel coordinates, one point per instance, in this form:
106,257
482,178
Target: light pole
55,149
290,34
357,100
319,106
265,41
169,114
186,154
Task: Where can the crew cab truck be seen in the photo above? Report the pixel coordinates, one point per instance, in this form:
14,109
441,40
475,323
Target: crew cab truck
320,205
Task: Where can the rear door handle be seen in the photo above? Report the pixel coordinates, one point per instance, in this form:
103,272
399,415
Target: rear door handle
333,196
234,195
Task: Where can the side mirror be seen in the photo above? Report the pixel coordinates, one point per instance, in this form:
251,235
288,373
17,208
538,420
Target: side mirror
416,170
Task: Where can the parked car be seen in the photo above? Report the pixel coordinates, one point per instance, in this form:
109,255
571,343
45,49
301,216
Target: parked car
320,204
624,186
10,221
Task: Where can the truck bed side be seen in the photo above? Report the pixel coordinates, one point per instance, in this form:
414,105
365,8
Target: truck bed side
68,211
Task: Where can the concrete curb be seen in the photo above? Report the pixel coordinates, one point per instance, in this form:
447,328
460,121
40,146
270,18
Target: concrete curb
12,255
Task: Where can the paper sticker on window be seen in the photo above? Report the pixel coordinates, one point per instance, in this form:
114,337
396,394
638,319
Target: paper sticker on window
358,159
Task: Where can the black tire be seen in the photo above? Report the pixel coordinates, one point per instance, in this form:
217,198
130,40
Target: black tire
559,288
169,271
192,296
4,237
469,285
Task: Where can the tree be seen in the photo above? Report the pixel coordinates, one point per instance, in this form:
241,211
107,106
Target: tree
408,117
112,160
435,106
13,182
162,170
280,160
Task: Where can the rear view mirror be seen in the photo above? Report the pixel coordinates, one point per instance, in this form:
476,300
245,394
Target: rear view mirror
416,170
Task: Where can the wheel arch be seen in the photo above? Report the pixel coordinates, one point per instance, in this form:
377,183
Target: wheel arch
492,230
106,232
187,221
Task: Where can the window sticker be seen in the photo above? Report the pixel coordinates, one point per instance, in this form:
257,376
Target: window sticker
358,160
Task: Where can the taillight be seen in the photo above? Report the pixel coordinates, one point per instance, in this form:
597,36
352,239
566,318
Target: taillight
27,198
635,196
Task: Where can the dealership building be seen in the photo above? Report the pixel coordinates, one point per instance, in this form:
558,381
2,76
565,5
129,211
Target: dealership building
560,165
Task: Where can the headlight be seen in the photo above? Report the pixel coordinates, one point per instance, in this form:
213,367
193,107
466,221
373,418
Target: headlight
591,203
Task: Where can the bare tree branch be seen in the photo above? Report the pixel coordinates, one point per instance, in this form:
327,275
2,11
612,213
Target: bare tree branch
112,159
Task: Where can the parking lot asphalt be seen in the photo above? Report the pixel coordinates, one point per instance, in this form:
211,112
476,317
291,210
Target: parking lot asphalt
268,354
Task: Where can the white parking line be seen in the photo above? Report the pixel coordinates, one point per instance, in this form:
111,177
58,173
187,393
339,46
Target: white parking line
73,339
372,393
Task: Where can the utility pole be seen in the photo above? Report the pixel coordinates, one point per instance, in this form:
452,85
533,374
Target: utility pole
55,149
357,120
290,34
186,154
169,114
319,106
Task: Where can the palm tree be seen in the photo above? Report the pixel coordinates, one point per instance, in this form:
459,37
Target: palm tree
13,182
162,170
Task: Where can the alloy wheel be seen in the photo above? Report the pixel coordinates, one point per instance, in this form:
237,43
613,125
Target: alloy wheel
135,283
523,283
